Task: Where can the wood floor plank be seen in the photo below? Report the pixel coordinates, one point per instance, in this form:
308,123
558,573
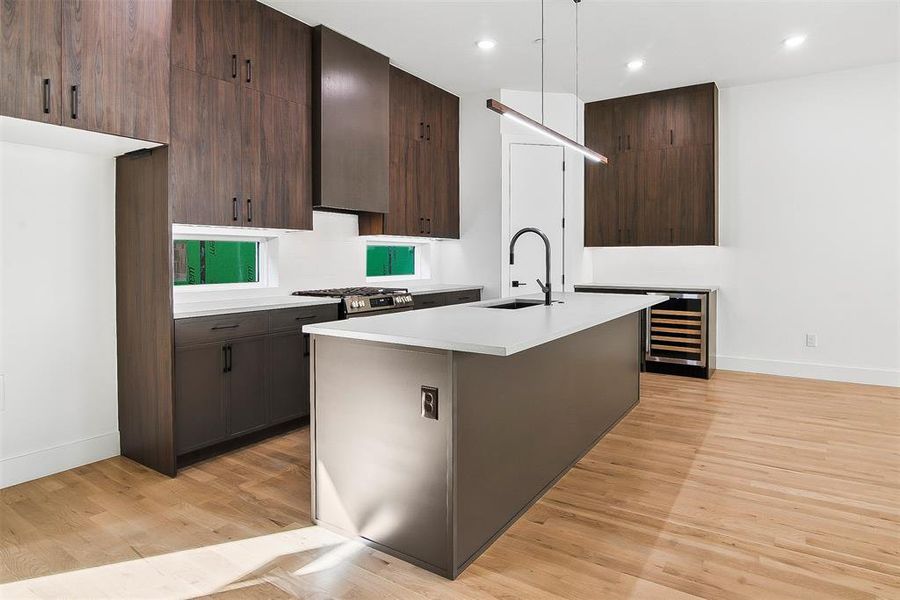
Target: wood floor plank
744,486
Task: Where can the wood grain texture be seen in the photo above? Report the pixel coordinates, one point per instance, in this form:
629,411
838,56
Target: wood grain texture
275,162
31,52
741,487
115,67
205,150
351,133
423,181
144,309
206,39
281,62
660,186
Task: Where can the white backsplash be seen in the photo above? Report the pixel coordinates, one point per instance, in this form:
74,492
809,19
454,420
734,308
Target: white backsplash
331,255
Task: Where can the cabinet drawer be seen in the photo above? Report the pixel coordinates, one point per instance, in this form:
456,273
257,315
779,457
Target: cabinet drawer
462,297
429,300
293,318
220,327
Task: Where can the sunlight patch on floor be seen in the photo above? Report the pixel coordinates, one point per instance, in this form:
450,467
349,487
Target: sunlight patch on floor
188,573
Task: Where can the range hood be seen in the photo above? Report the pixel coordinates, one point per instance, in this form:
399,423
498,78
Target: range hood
350,124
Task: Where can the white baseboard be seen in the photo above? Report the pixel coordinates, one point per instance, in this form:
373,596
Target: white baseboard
40,463
810,370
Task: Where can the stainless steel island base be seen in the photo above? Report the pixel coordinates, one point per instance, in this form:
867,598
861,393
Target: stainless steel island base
437,492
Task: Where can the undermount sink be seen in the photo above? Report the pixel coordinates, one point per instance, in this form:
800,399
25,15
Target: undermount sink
517,304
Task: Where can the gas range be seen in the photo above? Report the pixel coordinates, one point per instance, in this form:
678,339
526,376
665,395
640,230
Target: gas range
365,301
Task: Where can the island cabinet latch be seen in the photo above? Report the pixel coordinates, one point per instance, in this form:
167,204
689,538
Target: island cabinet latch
429,402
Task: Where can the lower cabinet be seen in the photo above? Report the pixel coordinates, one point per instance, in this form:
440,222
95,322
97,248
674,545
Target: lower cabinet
436,299
288,362
220,392
237,374
200,396
245,390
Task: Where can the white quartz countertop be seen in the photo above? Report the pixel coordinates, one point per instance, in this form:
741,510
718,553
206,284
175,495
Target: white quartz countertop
184,310
478,329
641,286
207,308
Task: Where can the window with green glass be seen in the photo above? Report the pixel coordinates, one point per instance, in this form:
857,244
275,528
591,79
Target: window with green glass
384,260
199,262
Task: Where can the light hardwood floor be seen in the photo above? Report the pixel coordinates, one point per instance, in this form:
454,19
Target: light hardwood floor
745,486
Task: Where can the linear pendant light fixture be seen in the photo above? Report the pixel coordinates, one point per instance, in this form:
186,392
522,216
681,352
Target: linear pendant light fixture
514,115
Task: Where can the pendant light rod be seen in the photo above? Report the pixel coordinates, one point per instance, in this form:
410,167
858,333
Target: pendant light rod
514,115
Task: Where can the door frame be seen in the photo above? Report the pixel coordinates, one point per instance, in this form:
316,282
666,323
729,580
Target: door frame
506,209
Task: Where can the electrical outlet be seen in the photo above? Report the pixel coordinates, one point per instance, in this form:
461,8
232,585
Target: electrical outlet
812,340
429,402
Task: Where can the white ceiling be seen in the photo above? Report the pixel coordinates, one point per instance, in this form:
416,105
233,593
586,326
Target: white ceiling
730,42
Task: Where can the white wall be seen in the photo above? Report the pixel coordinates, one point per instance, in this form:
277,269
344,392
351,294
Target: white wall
809,225
57,311
563,113
476,257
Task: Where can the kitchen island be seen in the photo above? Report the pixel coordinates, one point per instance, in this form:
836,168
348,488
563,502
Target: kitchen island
433,431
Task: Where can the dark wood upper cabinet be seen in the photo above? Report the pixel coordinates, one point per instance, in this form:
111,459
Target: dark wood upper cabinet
280,63
350,124
241,122
403,215
275,162
424,162
101,65
115,67
205,151
659,188
406,101
30,62
205,37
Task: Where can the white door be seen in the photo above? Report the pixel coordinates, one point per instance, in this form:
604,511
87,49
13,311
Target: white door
536,199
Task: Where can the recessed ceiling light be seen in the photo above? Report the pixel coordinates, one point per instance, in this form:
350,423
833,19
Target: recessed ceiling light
486,44
636,64
794,41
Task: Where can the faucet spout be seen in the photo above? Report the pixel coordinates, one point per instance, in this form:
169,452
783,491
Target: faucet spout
512,257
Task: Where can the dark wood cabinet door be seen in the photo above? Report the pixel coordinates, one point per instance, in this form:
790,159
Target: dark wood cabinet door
600,131
690,115
693,203
205,37
425,189
30,60
626,174
407,117
205,151
449,122
115,67
601,216
653,224
403,216
246,399
199,397
278,48
432,113
288,368
445,207
275,164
